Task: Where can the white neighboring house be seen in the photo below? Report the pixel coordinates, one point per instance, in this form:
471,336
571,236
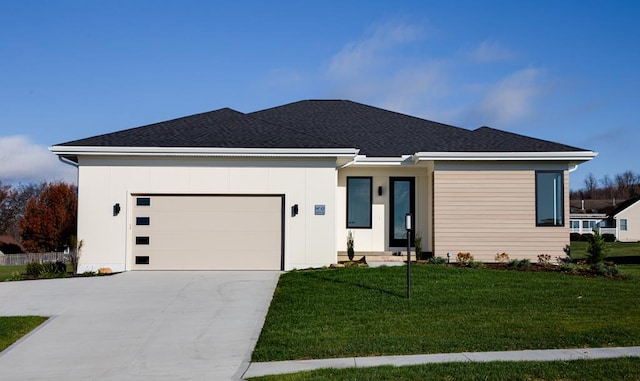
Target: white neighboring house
586,223
281,188
626,221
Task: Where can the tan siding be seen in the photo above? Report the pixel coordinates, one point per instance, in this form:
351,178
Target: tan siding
492,211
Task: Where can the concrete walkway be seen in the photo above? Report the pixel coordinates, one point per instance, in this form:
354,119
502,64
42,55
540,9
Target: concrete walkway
282,367
165,325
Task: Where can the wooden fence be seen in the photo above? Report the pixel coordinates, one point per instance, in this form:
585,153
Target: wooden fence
23,259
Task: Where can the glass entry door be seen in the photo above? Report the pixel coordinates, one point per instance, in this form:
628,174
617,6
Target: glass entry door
402,201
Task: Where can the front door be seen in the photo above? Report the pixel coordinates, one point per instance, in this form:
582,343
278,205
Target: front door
402,200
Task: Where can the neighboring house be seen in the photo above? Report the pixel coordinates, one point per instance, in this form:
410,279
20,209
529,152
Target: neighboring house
589,215
625,219
281,188
8,245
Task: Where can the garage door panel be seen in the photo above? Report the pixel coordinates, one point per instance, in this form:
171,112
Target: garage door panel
214,221
204,203
212,242
162,260
187,232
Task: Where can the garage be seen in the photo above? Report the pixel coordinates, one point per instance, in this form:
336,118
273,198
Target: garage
207,232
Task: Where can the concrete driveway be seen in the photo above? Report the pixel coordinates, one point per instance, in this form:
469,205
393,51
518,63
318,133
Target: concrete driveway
163,325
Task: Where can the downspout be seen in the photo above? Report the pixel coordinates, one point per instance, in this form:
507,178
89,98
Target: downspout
67,161
73,164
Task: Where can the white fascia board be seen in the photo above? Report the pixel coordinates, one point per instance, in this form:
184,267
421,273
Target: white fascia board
572,156
362,160
203,152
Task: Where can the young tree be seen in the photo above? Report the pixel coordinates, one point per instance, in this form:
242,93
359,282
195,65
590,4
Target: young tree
590,186
49,220
13,204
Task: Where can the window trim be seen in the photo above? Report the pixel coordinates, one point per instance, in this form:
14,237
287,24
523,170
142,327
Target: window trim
369,223
560,196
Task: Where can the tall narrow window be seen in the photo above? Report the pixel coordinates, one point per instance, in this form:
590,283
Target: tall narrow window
358,202
623,224
549,198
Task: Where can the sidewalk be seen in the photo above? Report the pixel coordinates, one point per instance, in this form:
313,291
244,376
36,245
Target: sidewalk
282,367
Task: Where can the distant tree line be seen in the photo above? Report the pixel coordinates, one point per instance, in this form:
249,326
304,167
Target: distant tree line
622,186
42,217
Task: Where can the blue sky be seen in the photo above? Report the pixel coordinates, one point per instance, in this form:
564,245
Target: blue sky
565,71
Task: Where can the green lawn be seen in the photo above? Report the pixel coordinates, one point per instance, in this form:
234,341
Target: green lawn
364,312
6,272
13,328
578,370
616,249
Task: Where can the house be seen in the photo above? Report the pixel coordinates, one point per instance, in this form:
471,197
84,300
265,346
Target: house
625,221
281,188
588,215
8,245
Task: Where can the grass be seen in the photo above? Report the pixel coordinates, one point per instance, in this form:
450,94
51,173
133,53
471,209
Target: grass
13,328
9,273
578,370
616,249
365,312
6,272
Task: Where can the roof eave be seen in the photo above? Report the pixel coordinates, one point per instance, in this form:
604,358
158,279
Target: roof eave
574,157
75,151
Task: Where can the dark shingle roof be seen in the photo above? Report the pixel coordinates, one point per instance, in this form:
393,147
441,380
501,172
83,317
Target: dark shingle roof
321,124
624,206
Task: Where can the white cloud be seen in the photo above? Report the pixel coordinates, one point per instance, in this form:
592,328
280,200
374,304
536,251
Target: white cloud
510,100
392,68
23,161
490,51
367,54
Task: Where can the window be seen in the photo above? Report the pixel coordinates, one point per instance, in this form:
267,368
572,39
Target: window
575,225
143,220
585,224
359,202
623,224
549,198
142,240
143,201
142,260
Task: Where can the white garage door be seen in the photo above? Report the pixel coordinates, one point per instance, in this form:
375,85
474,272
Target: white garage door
205,232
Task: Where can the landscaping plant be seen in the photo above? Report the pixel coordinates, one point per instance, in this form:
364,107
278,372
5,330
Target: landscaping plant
350,251
596,249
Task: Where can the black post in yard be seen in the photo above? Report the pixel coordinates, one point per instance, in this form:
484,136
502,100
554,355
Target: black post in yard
407,225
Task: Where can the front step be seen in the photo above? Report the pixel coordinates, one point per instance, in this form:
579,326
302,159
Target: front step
377,258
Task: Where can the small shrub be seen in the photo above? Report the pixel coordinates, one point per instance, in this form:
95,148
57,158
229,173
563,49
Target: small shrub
464,258
608,237
502,257
596,249
437,261
519,263
573,237
544,259
603,269
475,264
585,237
350,250
16,276
34,269
54,268
418,245
566,259
570,268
